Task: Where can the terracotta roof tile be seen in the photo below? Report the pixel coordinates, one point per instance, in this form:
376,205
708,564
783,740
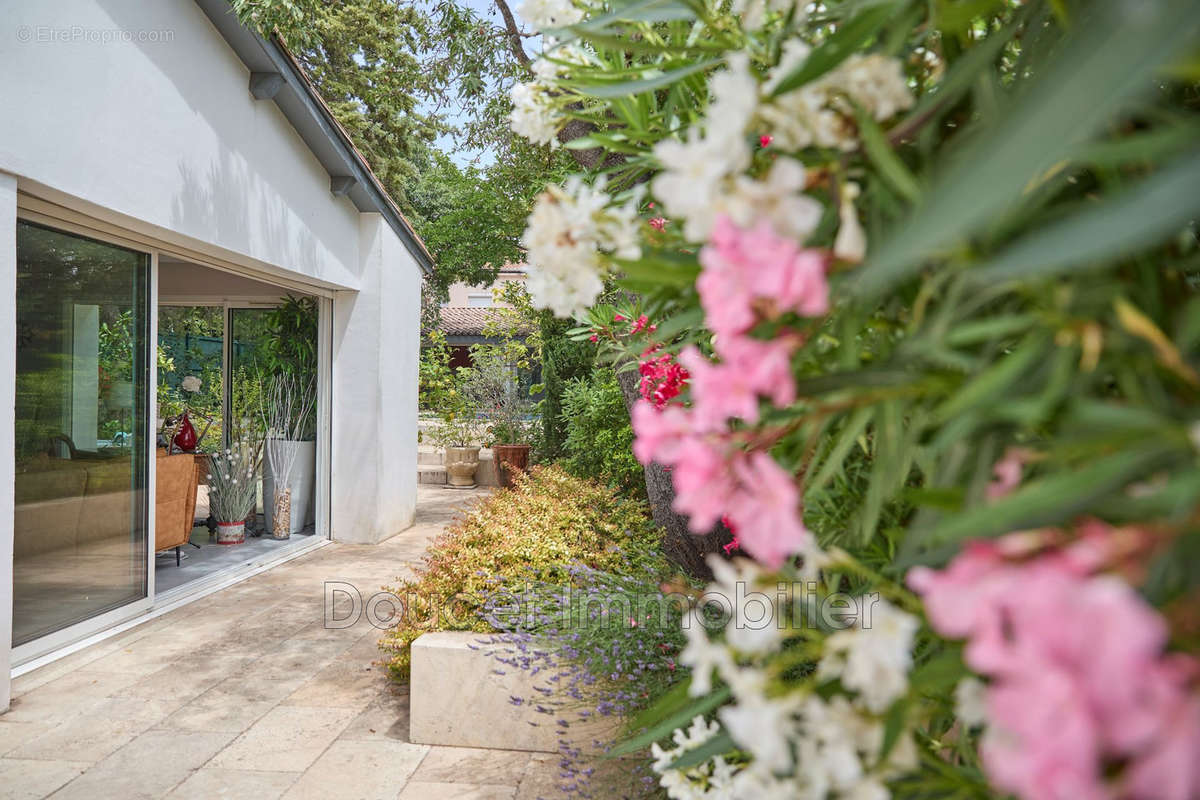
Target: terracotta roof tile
463,320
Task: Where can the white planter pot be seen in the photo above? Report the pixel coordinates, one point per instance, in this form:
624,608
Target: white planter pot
304,478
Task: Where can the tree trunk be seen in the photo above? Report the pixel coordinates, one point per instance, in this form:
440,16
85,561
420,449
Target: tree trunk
685,549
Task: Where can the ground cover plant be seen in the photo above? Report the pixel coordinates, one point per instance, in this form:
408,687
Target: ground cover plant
537,532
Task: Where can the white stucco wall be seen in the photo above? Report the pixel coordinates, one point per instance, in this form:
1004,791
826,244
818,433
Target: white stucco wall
8,365
375,352
139,114
164,133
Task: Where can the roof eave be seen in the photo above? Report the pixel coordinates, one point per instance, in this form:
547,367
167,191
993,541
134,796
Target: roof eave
302,105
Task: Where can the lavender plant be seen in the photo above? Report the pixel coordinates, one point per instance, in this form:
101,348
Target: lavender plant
603,646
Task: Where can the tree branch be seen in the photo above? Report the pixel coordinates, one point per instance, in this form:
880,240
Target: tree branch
513,33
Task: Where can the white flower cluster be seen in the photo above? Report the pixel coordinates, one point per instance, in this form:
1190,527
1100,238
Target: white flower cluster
549,14
714,773
704,175
555,62
534,115
821,112
802,746
754,12
873,661
568,230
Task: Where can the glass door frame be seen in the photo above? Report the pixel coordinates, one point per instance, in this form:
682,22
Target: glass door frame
55,640
62,642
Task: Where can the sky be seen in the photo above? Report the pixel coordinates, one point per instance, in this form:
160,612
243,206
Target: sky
465,156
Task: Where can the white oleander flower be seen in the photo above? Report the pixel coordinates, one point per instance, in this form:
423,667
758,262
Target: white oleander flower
548,14
692,177
734,93
874,660
970,702
568,293
874,81
754,12
534,115
556,62
778,198
756,784
701,655
821,112
755,625
190,384
851,242
568,229
695,782
764,727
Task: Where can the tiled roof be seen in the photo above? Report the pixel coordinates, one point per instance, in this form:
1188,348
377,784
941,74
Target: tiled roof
463,320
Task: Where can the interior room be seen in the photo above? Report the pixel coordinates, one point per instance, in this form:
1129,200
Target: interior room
224,342
233,477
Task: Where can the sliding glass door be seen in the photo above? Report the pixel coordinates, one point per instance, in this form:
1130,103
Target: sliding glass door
80,521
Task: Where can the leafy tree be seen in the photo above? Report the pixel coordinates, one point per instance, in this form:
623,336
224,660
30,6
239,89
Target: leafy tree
397,75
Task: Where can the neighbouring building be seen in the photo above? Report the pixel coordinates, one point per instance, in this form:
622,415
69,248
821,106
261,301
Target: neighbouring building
465,312
158,156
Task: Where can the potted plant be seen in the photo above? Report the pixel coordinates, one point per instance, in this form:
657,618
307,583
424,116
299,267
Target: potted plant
495,384
286,405
458,434
291,354
233,488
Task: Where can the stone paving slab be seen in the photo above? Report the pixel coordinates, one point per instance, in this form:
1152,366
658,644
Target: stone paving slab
246,694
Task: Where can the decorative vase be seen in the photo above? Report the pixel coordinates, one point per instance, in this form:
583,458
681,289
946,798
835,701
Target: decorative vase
231,532
185,439
510,459
281,517
461,463
301,482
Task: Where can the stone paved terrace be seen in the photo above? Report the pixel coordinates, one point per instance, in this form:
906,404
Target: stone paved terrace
245,694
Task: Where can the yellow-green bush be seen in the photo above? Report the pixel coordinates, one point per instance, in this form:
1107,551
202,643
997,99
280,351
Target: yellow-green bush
548,521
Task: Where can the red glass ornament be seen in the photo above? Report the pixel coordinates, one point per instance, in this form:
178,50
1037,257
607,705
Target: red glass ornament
185,439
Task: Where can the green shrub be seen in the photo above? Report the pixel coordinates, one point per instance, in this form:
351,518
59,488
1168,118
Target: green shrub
547,523
599,443
563,359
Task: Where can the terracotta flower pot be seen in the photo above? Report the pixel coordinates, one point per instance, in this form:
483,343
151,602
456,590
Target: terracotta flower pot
510,458
231,532
461,463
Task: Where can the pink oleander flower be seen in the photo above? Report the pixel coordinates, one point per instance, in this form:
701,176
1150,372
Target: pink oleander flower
1041,743
658,433
715,480
766,510
639,324
749,369
1006,474
704,484
658,223
746,272
1081,689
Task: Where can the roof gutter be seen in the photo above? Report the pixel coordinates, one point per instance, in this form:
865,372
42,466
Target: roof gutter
276,75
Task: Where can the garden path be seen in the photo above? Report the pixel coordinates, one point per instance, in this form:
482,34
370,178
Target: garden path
246,693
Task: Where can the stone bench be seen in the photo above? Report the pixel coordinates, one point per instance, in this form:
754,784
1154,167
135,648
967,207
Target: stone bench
461,696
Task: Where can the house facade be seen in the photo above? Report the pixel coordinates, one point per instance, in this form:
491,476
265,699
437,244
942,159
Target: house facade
465,312
159,156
